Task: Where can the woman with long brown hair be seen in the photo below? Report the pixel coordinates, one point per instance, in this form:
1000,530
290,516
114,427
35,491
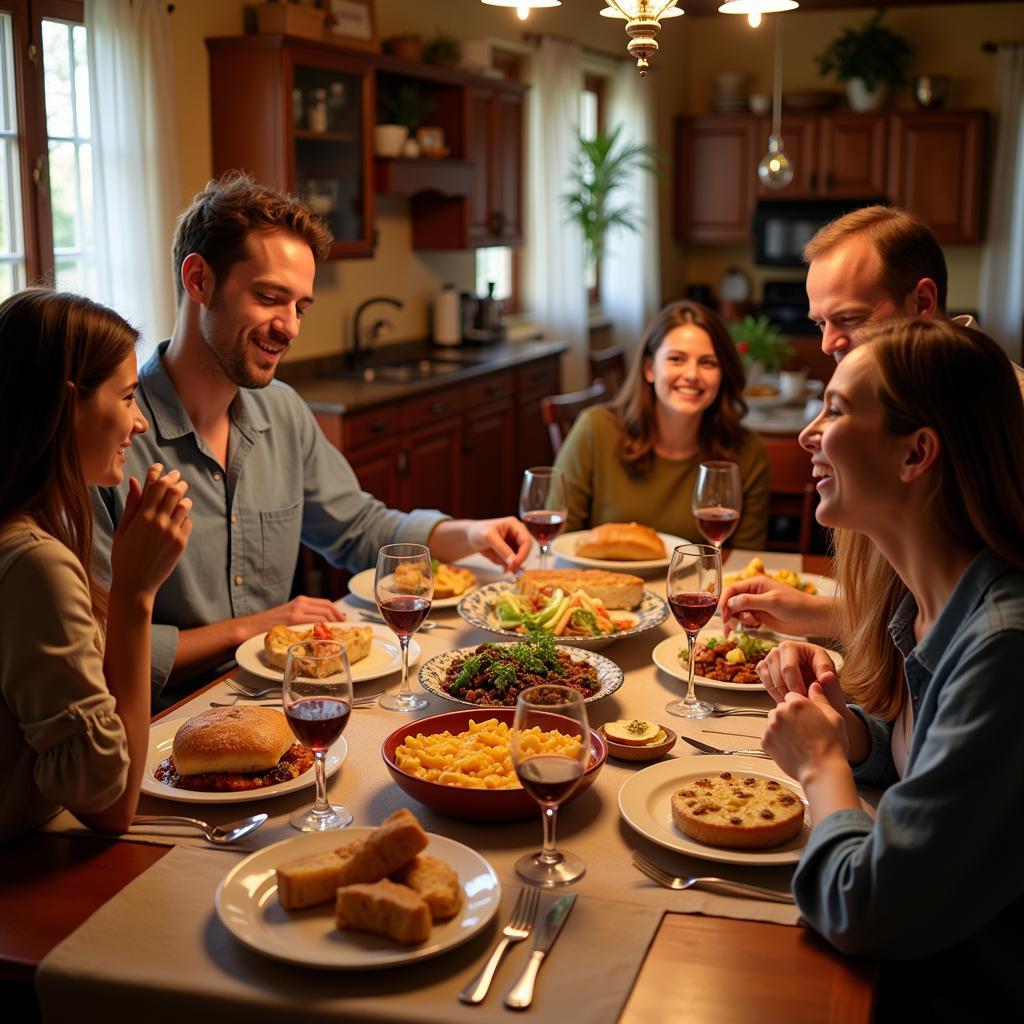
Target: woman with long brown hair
74,659
919,453
637,458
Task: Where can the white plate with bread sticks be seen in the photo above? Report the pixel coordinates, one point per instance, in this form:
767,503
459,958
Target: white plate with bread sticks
161,747
248,902
645,803
627,547
671,657
376,649
434,674
451,584
589,607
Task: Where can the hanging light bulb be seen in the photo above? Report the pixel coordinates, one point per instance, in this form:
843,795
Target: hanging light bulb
643,22
753,9
775,169
523,7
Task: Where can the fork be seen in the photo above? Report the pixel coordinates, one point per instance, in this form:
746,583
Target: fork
426,626
723,885
519,926
255,694
365,701
719,712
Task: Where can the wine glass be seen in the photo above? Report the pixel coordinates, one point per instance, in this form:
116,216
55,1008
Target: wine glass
404,589
542,506
550,777
317,700
718,500
694,586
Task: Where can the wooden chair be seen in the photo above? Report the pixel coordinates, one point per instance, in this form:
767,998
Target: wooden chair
792,494
560,411
608,365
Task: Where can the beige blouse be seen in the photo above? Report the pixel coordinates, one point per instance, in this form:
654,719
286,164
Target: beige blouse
61,742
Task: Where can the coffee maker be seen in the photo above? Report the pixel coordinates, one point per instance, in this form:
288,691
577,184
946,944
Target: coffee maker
481,318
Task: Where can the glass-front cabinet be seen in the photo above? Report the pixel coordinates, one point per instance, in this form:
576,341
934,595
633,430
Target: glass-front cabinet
267,88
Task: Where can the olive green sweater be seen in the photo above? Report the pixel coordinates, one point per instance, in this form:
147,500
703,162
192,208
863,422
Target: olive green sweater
600,490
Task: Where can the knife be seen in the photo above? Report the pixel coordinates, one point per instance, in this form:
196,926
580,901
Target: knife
706,748
520,995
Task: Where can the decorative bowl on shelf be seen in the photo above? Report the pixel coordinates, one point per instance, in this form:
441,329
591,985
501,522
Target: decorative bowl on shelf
388,139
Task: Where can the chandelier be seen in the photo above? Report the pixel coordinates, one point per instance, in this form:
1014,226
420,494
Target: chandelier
523,7
643,22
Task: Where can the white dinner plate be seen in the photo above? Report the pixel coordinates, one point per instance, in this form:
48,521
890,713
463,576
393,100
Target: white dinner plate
824,586
432,673
478,610
247,905
565,544
161,741
384,658
666,657
361,586
645,803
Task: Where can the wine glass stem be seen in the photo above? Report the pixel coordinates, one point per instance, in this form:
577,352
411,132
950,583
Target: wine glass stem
321,806
691,640
550,852
543,556
404,690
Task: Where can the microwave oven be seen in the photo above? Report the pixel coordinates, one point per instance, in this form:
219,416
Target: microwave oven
782,227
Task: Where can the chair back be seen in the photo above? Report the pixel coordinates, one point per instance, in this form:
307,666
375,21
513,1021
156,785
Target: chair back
560,411
608,365
792,494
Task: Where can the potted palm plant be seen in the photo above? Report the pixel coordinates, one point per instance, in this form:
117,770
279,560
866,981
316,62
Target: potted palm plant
870,60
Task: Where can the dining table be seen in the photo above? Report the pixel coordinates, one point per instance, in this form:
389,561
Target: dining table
91,923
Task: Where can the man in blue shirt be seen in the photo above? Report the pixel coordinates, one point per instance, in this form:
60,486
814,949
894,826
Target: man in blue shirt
261,474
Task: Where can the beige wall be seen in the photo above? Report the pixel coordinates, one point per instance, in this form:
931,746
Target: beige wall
947,38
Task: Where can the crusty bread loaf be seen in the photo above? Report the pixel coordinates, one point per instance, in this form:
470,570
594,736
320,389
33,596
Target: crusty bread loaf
311,880
235,739
357,641
628,542
436,882
738,810
384,908
613,589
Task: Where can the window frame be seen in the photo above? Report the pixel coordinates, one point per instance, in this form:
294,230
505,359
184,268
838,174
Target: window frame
596,84
27,18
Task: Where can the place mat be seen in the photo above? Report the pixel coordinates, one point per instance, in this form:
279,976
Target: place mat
159,947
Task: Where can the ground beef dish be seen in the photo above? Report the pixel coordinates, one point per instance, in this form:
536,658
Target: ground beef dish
712,664
295,762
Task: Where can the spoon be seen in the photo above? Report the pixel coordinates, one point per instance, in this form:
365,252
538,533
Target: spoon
219,835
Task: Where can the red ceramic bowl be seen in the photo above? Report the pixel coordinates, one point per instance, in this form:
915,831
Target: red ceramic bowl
477,804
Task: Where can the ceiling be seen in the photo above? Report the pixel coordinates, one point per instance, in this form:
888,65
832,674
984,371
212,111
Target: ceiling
700,7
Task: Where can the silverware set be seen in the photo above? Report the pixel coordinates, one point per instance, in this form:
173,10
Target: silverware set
707,748
219,835
246,694
426,627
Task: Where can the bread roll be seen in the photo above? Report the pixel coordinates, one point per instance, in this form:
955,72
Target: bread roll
436,882
235,739
384,908
628,542
613,589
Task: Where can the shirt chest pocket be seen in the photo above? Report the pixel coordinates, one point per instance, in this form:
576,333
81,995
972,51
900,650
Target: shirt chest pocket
281,532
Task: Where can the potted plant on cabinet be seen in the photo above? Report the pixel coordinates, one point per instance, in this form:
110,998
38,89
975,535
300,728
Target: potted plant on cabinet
402,113
870,60
760,345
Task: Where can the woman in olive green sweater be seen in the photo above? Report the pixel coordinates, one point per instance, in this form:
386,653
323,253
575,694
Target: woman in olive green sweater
636,459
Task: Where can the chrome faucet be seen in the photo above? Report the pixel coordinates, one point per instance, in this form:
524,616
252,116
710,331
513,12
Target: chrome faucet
363,342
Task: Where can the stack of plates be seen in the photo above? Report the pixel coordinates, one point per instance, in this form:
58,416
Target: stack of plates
730,93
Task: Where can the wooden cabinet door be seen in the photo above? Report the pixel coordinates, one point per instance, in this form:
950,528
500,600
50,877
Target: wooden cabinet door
936,170
716,174
852,155
489,479
479,140
506,169
428,466
376,469
800,142
533,445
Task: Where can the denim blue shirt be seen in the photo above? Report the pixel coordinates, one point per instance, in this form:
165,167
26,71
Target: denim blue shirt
284,482
939,875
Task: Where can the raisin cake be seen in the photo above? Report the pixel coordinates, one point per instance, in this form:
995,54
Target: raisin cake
733,809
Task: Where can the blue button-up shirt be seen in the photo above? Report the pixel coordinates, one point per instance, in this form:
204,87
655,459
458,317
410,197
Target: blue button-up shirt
938,877
284,482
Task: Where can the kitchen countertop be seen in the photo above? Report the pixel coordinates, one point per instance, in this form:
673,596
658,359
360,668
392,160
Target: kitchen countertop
328,387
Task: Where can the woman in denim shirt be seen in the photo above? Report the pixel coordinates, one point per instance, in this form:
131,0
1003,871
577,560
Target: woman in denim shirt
919,452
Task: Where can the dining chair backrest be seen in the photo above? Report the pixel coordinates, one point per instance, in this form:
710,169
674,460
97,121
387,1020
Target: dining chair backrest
792,495
560,411
608,365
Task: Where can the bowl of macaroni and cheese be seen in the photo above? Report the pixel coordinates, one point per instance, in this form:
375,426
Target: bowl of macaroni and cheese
459,763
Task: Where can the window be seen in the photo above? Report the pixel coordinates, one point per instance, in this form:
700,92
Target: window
591,123
46,224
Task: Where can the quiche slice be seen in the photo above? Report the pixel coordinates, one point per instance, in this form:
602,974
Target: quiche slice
357,641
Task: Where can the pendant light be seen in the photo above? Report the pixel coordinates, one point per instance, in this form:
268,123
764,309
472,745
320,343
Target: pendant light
643,22
523,7
775,169
753,9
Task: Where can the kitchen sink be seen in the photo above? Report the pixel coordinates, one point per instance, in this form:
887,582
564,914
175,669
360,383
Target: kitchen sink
408,370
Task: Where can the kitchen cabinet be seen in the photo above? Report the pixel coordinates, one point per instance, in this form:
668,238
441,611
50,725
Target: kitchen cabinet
852,155
936,170
263,91
533,446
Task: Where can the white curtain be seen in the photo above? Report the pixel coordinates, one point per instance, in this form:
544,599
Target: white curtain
630,278
135,161
1001,298
555,271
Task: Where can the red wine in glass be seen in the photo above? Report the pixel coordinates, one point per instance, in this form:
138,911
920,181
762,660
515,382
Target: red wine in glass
404,614
717,524
549,779
692,610
318,721
544,526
